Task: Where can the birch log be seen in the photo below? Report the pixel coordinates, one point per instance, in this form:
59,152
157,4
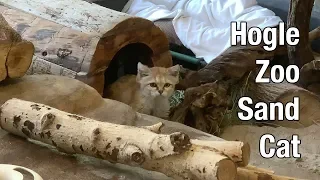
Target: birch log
15,53
238,151
171,154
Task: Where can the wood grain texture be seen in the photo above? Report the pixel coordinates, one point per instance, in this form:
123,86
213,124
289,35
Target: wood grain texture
76,14
15,52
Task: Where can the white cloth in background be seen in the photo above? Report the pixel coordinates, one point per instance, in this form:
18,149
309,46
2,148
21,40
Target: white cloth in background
203,26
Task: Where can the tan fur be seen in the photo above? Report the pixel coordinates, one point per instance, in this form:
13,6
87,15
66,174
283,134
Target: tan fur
149,91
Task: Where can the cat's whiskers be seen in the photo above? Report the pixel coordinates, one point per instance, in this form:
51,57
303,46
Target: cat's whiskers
154,87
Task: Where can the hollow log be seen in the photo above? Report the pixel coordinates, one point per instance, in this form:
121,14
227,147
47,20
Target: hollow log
15,53
172,154
80,39
299,17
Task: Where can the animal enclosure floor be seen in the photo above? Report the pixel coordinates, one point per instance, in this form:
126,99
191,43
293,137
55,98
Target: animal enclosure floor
308,167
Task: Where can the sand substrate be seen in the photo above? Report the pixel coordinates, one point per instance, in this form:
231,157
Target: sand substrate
306,167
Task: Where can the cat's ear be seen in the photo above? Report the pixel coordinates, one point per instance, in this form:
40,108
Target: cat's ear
143,70
174,70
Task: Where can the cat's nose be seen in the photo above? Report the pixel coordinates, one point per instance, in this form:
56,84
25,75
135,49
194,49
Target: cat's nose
160,91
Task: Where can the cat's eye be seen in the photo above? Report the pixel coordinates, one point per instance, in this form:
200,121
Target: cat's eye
153,84
167,85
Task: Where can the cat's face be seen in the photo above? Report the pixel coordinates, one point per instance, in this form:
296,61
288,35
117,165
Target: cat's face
157,81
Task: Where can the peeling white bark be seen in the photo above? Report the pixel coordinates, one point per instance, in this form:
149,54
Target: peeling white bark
171,154
238,151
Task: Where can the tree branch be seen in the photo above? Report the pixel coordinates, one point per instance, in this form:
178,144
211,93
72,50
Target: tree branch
299,17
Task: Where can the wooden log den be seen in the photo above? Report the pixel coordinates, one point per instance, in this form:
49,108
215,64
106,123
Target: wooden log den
85,41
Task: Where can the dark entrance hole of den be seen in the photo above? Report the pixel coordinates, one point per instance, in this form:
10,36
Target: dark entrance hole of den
126,60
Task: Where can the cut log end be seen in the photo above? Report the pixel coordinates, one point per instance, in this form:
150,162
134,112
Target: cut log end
16,54
19,59
226,170
245,149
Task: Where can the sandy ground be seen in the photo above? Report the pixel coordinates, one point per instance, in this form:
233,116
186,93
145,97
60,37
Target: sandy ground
308,167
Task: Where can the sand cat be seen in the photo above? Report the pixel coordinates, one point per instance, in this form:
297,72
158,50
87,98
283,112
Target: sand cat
149,91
